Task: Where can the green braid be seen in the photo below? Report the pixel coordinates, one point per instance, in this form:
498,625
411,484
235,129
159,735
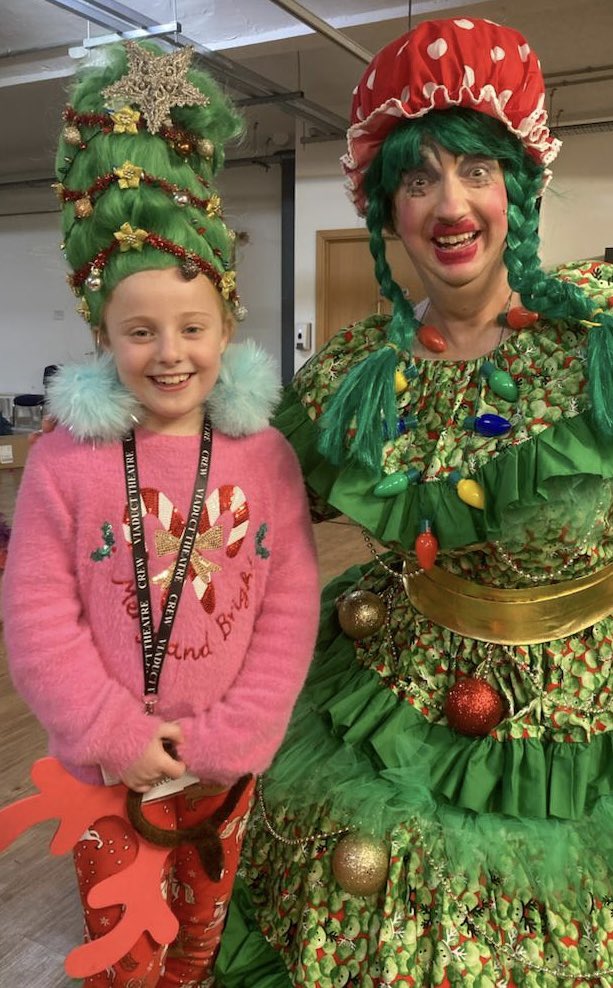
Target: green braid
554,298
365,401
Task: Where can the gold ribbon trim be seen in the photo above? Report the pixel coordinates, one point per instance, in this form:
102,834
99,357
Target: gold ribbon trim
165,543
511,617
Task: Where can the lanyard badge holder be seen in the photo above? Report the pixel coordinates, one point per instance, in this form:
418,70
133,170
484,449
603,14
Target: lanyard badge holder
155,644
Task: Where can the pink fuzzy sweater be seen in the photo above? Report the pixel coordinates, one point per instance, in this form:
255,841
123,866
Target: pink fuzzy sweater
240,647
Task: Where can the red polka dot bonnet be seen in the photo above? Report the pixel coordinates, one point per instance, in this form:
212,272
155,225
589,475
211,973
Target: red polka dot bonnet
441,64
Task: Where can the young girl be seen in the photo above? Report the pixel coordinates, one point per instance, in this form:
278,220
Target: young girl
160,627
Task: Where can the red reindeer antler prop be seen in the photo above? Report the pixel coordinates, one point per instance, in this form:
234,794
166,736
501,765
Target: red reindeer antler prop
138,887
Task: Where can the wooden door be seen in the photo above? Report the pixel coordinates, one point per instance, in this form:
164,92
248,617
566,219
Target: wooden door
347,289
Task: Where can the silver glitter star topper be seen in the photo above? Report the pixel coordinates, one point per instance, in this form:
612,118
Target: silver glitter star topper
155,83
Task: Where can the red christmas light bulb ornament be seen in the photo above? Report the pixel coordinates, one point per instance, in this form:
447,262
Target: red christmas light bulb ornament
432,339
426,546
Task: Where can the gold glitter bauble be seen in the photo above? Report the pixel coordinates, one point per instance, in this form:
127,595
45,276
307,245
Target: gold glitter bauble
360,864
361,614
205,147
72,135
83,208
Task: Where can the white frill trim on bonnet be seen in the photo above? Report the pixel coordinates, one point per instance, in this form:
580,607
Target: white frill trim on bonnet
533,132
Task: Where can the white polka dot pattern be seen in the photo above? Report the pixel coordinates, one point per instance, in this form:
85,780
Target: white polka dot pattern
438,48
469,76
466,62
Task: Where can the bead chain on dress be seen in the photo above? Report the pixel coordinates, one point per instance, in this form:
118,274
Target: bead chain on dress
408,685
515,954
587,543
427,477
379,559
293,841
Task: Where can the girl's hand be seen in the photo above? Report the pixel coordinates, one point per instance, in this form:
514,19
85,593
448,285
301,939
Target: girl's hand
155,763
47,425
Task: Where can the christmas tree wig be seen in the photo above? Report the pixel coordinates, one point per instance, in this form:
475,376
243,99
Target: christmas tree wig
112,171
365,403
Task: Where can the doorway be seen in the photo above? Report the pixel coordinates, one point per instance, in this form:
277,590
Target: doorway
347,289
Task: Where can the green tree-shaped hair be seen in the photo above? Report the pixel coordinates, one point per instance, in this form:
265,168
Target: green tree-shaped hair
149,206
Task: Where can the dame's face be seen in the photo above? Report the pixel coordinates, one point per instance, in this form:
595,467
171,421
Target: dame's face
167,336
451,215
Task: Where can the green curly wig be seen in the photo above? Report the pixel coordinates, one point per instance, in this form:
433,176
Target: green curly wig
366,400
174,201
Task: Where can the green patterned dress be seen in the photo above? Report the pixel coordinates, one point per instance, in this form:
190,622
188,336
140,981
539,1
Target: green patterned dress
501,847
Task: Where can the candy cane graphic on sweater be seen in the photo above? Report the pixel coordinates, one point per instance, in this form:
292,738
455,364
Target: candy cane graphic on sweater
229,498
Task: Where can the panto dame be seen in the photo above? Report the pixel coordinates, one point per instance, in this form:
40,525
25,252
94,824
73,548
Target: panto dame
161,589
441,811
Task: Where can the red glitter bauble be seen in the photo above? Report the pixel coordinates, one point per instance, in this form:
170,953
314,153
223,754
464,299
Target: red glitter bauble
473,707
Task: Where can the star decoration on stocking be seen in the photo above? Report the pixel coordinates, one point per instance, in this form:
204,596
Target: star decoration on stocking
155,83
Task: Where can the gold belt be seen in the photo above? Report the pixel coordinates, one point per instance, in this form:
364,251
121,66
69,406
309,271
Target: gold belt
511,617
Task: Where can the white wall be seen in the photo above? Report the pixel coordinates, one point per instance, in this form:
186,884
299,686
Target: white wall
578,206
252,204
321,204
38,322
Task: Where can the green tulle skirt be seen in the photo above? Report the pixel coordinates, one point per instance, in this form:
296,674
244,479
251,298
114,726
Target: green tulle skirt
501,848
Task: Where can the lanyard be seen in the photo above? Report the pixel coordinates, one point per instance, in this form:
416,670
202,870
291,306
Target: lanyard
154,645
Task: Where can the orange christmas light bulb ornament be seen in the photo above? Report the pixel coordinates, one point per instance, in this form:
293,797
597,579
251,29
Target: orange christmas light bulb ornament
432,338
520,318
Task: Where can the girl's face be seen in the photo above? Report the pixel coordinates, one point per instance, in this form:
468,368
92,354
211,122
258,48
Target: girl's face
451,215
167,336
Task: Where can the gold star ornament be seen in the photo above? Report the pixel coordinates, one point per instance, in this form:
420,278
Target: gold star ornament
129,175
155,83
227,284
130,239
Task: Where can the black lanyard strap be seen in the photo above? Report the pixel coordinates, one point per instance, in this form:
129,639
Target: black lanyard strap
154,646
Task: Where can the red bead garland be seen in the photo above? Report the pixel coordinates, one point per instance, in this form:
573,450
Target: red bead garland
103,182
78,279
